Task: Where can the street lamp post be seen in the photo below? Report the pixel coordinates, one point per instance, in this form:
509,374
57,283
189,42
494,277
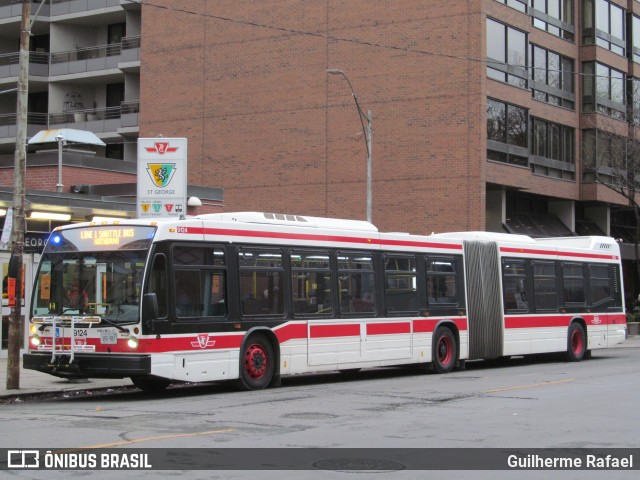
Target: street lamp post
366,130
61,142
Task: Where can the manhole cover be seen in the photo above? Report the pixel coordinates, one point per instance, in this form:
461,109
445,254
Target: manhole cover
358,464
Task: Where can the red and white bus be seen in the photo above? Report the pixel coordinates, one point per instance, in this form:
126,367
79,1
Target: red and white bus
254,296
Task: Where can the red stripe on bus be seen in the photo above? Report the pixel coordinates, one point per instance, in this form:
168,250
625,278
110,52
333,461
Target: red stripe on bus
533,321
531,251
326,331
211,342
428,325
407,243
528,321
316,238
291,331
388,328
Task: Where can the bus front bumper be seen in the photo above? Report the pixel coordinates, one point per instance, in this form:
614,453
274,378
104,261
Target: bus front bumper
88,365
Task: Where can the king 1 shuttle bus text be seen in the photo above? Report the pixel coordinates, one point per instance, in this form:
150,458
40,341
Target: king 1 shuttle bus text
252,297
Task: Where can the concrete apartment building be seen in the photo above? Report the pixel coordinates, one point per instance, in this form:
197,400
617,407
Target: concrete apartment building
483,112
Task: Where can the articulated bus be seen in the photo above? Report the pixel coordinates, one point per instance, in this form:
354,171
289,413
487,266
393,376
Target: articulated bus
253,296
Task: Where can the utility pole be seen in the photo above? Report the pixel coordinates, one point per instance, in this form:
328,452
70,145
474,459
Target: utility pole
18,227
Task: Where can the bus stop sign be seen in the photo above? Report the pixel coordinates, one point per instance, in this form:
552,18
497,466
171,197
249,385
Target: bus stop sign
162,177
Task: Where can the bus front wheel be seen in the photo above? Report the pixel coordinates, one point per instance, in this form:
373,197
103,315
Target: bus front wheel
445,352
257,363
576,342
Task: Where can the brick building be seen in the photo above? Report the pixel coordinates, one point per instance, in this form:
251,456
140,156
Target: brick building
485,112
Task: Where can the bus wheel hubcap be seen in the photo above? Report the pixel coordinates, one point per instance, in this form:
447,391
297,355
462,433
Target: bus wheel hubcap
255,361
576,342
444,351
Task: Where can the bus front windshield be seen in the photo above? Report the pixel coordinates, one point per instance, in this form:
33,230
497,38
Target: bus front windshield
107,284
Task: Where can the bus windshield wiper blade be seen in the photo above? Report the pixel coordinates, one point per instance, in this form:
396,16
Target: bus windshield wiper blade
114,324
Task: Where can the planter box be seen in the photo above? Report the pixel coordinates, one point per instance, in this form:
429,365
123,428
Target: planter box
633,328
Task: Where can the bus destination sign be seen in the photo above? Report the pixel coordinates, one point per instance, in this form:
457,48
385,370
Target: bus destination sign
102,238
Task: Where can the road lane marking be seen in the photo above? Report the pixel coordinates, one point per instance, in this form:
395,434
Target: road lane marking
158,437
531,385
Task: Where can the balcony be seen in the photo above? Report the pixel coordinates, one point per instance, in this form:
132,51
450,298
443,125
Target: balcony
91,59
83,60
35,123
10,64
130,54
98,120
13,8
71,7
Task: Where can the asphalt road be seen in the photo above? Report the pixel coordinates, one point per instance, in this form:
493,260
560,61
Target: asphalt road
539,402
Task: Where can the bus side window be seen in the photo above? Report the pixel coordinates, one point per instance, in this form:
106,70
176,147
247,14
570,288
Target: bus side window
573,283
158,282
599,283
514,283
442,281
544,286
401,294
356,283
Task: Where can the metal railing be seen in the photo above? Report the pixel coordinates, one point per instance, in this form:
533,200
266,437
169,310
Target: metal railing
7,119
86,53
130,42
13,58
132,106
4,3
85,115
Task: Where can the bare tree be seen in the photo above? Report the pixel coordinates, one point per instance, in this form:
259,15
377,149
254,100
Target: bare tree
611,156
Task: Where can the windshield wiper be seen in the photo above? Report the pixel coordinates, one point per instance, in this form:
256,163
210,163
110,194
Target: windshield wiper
114,324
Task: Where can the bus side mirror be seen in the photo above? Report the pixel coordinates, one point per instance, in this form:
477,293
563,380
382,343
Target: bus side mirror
150,309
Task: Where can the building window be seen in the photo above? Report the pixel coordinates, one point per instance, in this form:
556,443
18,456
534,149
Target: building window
520,5
554,16
634,85
604,25
603,90
507,133
552,149
635,38
603,156
552,77
506,54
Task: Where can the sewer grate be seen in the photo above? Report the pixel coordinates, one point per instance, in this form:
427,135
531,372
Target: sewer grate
368,465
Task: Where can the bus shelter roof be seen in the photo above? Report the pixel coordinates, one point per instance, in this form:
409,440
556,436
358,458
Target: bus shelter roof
67,134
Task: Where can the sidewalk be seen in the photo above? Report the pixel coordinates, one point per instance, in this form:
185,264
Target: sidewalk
36,383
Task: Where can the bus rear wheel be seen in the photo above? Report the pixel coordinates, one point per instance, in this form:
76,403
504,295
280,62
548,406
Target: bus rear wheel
150,383
444,352
576,342
257,363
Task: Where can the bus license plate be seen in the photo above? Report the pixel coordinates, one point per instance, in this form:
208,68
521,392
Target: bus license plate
108,338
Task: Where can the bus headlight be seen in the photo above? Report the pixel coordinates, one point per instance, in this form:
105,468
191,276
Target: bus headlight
35,340
132,342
